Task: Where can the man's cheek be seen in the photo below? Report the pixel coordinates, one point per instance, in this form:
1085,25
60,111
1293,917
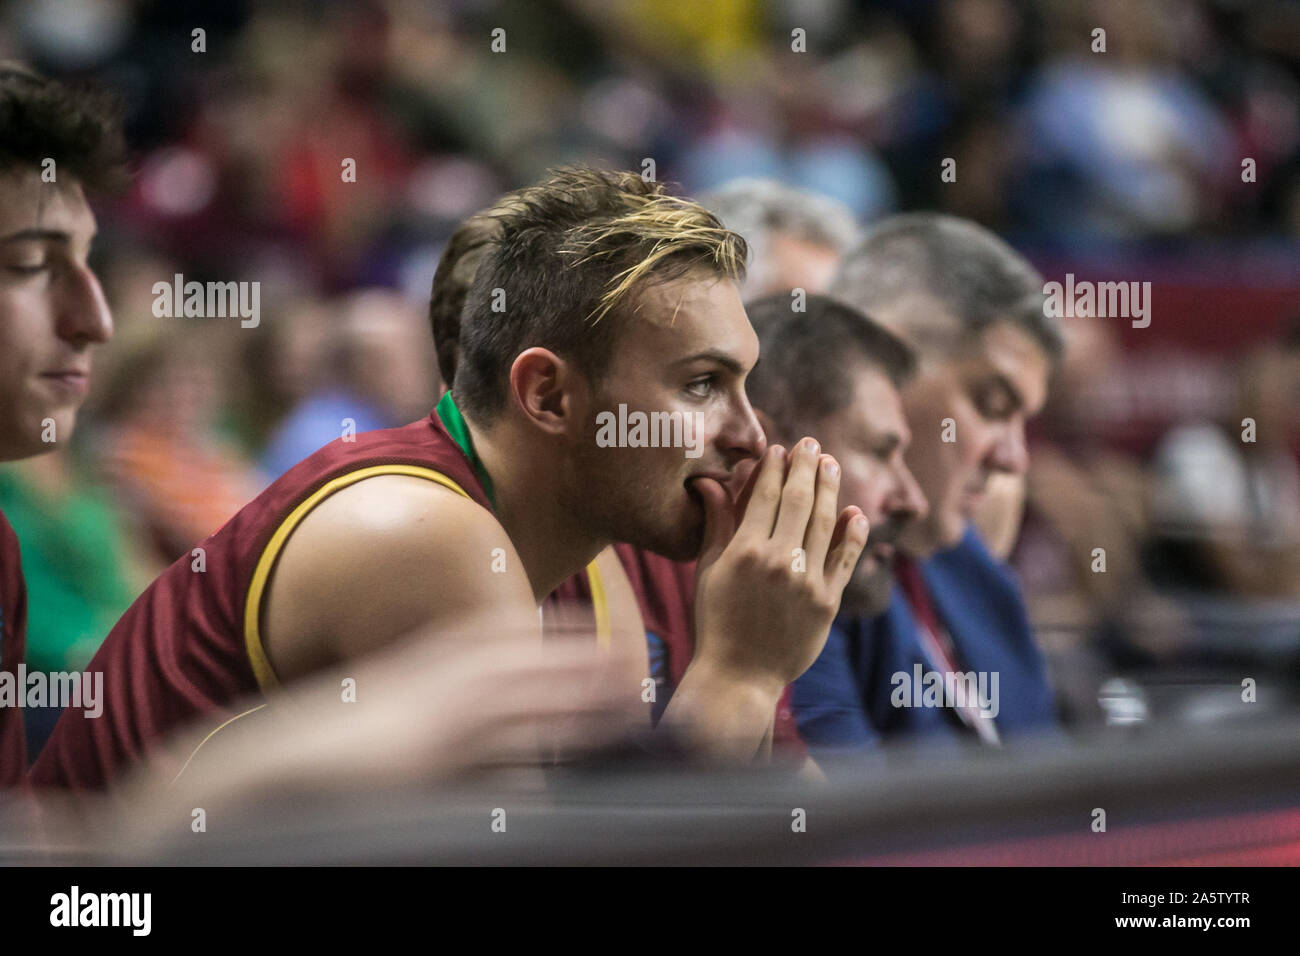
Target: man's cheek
865,494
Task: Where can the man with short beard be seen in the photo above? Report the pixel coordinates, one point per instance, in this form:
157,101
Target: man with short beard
53,142
973,310
834,373
601,290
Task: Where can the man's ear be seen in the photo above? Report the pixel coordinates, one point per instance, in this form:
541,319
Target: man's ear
549,391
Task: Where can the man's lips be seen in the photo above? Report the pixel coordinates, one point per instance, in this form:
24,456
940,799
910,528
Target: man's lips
722,479
72,380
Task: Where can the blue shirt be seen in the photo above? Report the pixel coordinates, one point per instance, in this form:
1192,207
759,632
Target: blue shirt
315,423
846,700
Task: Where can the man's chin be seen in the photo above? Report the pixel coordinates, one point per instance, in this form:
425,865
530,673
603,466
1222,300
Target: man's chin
680,548
679,539
868,595
686,544
951,532
38,435
923,539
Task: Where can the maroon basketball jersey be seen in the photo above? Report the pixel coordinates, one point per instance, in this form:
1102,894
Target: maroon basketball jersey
190,647
13,643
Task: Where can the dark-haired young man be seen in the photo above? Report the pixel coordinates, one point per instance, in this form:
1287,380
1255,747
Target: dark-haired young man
606,294
54,144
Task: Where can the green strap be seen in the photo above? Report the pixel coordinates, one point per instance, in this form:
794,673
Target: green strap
454,422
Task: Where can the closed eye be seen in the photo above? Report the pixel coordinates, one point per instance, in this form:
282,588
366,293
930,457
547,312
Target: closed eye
29,270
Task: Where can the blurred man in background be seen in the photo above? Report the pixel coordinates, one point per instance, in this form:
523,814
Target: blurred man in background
1079,556
796,237
1227,497
161,448
972,308
378,374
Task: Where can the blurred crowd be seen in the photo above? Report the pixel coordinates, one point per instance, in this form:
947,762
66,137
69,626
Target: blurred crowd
244,132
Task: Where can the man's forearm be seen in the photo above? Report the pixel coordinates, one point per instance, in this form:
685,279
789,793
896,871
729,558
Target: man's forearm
724,716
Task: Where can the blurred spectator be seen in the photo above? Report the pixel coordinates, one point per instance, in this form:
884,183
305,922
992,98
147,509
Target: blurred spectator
160,448
1121,142
1079,553
1228,498
284,361
796,237
380,373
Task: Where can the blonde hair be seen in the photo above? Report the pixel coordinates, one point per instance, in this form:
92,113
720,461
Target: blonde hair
673,228
570,254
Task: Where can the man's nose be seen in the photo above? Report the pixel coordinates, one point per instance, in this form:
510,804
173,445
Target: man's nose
907,500
83,315
1010,453
742,437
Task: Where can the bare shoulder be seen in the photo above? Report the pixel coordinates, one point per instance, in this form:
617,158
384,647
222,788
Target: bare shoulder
380,559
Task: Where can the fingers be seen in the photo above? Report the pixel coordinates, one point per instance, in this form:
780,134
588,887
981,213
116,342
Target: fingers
797,495
842,524
843,557
764,494
742,499
719,519
825,512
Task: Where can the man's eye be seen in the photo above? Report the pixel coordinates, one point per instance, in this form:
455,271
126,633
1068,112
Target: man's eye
702,387
994,404
29,270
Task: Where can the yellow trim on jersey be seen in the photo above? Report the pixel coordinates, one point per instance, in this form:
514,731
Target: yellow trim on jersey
600,604
196,750
262,670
